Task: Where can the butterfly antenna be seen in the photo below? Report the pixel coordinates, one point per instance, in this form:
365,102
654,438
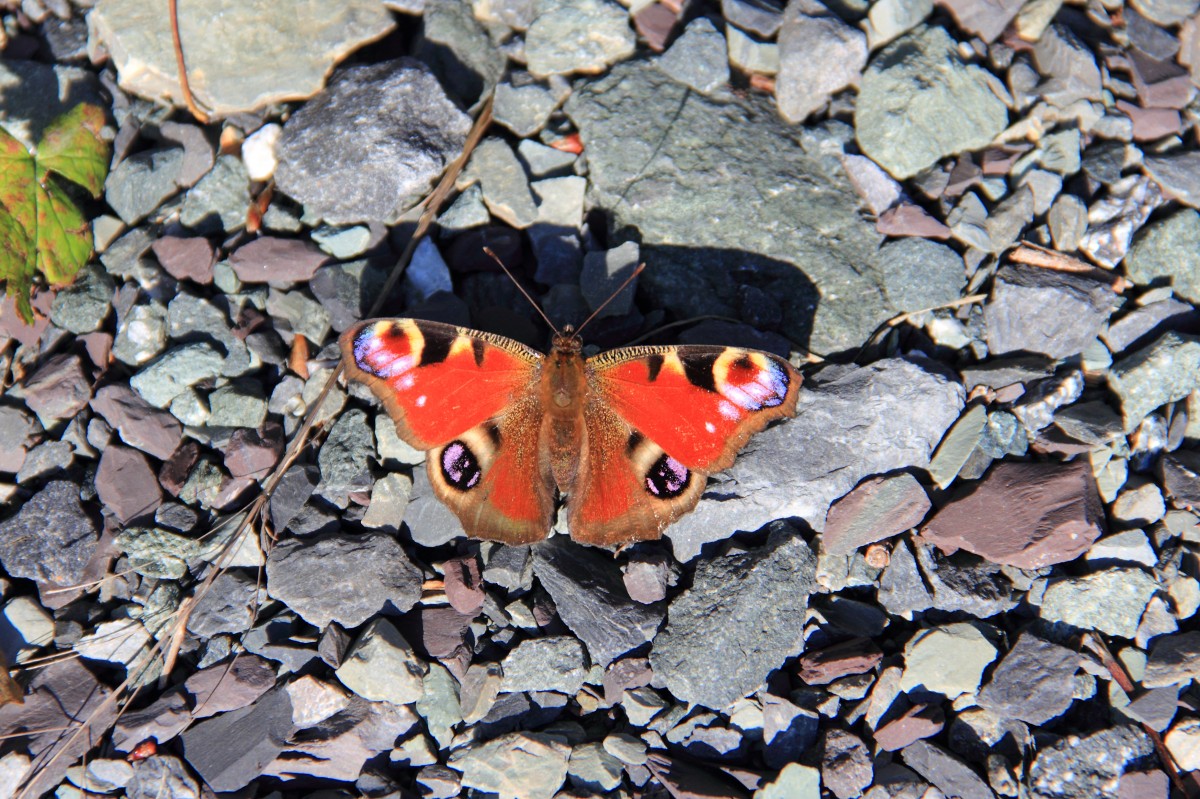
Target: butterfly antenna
521,288
640,268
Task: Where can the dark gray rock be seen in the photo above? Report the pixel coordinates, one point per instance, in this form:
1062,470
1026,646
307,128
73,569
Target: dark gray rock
51,538
230,685
963,582
220,201
139,184
357,575
460,52
1068,62
347,168
851,422
430,522
647,171
228,606
1166,371
919,273
1045,311
555,663
345,457
293,491
1035,682
920,77
1089,766
83,306
1148,321
511,568
590,596
901,589
230,750
947,772
161,720
752,604
1174,660
845,764
347,291
163,776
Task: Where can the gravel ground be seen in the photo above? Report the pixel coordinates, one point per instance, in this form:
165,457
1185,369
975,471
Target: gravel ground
967,567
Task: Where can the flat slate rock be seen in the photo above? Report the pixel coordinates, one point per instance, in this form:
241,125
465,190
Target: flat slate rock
851,422
588,590
347,167
517,765
878,508
742,618
51,538
283,52
1027,515
231,749
951,775
357,576
140,425
1045,311
809,246
1034,682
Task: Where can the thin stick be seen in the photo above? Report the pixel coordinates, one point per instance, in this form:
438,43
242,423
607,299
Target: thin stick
185,87
521,288
641,268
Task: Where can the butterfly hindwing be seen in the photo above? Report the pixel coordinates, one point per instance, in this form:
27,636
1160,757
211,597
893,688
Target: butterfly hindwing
660,420
469,399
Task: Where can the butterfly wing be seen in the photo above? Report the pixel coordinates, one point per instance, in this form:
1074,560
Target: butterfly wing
659,420
469,399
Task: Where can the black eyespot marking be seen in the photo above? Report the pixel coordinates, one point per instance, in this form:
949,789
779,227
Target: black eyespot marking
477,351
493,433
667,478
460,467
699,371
655,364
745,363
635,441
437,347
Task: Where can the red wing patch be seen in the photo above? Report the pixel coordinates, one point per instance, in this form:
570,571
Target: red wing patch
700,404
437,380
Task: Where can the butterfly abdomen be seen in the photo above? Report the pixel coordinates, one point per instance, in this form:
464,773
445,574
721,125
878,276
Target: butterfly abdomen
564,390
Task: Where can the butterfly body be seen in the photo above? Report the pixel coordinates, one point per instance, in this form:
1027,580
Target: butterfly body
628,436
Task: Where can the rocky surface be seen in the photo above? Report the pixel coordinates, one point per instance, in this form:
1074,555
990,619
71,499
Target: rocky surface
971,225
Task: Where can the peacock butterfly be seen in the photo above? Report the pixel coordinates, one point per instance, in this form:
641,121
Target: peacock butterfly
628,435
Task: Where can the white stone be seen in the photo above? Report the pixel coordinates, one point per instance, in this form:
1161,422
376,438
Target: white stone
120,641
1183,741
314,700
33,625
258,151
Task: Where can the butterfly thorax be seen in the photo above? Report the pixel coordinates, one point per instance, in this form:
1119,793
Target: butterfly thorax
564,389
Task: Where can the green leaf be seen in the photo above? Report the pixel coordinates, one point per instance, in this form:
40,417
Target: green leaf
42,230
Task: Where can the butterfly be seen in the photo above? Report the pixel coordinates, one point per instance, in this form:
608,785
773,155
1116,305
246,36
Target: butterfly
629,436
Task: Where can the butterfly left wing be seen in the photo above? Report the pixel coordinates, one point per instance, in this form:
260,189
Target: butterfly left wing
468,399
660,419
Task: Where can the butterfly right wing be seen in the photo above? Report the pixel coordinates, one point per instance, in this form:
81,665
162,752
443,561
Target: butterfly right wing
469,400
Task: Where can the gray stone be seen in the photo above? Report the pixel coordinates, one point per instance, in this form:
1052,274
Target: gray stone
122,641
177,370
1045,311
851,422
593,768
877,509
818,56
647,172
1166,371
916,79
51,538
698,58
752,604
589,593
239,404
83,306
1082,767
459,50
1166,12
1168,251
517,765
139,184
229,606
344,457
1035,681
382,667
163,776
1155,708
511,568
577,36
284,53
439,704
1137,326
891,18
919,274
468,210
846,769
1129,547
220,201
161,720
749,54
430,521
947,772
260,730
347,168
141,334
230,685
1110,601
45,459
1178,173
1070,68
347,291
522,109
1174,660
358,574
505,186
555,663
139,423
542,161
949,659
